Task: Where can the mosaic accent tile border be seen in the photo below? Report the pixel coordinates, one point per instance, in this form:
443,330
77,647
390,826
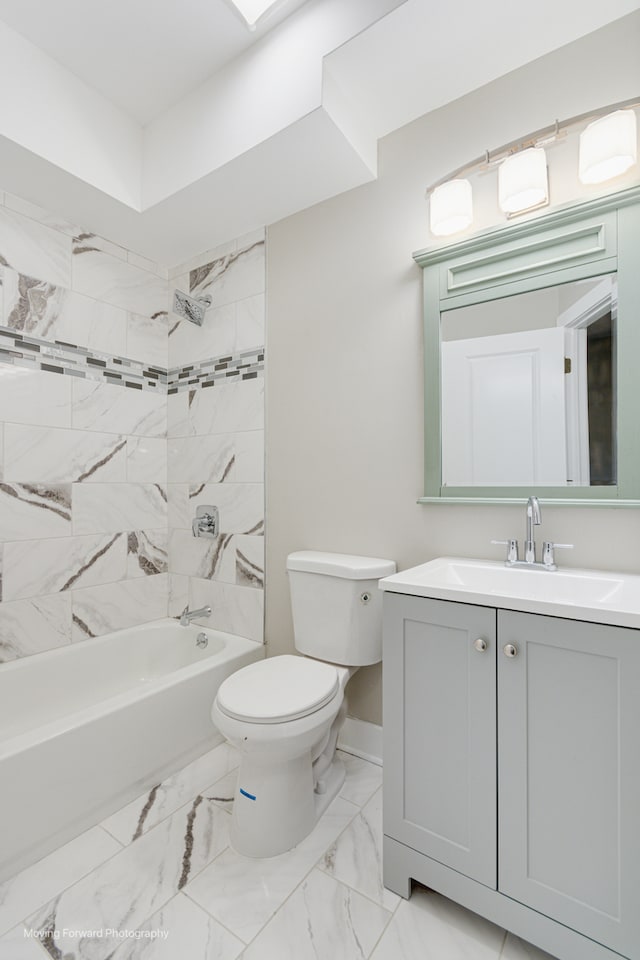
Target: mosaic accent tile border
68,358
247,365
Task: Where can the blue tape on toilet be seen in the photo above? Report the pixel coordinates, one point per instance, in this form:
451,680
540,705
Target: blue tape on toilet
244,793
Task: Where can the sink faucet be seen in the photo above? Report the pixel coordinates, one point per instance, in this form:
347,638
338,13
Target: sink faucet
534,518
188,615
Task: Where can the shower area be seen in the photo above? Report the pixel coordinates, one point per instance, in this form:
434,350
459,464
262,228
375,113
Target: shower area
131,392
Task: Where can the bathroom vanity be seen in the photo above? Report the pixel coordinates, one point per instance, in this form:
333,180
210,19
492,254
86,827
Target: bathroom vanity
512,764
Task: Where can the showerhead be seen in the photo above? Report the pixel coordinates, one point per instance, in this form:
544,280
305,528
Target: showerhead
191,308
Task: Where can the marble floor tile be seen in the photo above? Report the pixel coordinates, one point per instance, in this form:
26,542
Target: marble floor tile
322,919
323,900
516,949
191,934
362,779
430,927
141,815
243,894
356,856
36,885
223,791
15,945
133,885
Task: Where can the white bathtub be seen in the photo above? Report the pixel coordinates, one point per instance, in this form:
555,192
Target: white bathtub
86,728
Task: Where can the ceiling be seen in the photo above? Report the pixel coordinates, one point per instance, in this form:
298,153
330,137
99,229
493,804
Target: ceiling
169,127
144,55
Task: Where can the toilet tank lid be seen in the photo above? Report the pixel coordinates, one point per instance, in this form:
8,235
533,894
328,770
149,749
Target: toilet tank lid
340,565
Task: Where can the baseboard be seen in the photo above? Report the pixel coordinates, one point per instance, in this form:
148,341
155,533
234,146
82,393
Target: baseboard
362,739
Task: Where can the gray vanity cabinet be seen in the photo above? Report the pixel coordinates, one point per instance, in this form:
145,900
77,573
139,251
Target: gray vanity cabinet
443,726
545,841
569,785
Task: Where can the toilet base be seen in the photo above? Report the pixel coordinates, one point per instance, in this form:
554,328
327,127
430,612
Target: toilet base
276,807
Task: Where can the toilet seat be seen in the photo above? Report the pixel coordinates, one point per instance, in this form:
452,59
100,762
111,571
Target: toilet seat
278,689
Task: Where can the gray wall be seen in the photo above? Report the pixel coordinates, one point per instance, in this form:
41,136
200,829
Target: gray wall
344,336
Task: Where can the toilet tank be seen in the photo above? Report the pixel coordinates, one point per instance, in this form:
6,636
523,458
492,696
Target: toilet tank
337,606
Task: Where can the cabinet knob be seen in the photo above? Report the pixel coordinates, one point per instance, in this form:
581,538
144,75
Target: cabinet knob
510,650
480,644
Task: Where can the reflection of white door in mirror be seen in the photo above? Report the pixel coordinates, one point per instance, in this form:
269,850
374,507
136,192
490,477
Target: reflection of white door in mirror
504,410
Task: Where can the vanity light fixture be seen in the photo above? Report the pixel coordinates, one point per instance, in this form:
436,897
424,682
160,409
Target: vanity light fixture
608,147
450,208
252,10
523,183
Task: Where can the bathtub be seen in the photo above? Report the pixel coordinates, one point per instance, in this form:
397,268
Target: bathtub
86,728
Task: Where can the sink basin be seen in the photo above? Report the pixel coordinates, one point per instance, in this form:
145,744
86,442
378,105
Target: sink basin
594,595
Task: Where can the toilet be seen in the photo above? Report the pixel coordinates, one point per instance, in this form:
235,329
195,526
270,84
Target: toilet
284,713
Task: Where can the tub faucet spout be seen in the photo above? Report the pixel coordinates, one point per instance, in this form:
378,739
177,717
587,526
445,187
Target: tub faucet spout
188,615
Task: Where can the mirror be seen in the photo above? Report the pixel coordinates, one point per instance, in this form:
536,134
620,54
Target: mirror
531,350
528,388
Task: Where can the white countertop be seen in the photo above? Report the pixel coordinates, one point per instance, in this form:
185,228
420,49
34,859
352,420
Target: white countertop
598,596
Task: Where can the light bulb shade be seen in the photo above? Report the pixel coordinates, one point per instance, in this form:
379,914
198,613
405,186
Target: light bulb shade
522,181
451,208
608,147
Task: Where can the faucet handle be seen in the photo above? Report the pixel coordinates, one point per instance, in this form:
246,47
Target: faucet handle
512,549
548,557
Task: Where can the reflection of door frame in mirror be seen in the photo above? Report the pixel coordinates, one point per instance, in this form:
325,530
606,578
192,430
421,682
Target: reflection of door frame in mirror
595,304
578,242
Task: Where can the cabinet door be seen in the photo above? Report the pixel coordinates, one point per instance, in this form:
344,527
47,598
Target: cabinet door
569,781
440,732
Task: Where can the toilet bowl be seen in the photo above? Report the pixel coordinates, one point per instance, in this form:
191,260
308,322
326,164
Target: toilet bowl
284,714
280,718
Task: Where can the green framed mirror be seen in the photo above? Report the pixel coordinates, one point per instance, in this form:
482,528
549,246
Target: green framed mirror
532,359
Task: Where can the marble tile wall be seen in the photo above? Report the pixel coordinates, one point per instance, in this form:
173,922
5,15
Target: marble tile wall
83,499
216,437
117,419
